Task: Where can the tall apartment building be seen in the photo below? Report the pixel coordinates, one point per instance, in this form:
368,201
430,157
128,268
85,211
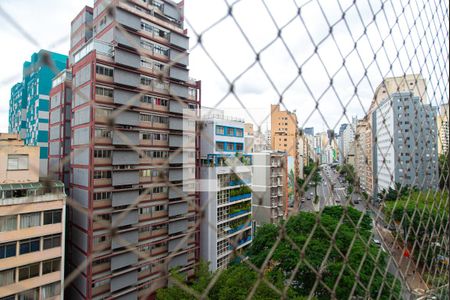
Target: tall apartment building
284,128
346,141
442,125
309,131
134,149
361,154
341,142
405,143
249,136
270,187
413,83
32,225
29,102
60,115
226,196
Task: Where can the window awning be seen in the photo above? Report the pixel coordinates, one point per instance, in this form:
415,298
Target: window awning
30,186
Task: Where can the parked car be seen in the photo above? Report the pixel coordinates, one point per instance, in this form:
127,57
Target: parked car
376,242
308,197
356,201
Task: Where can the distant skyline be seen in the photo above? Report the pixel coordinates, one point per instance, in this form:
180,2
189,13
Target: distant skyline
230,58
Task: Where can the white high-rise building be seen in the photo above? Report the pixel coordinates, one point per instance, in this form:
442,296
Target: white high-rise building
226,196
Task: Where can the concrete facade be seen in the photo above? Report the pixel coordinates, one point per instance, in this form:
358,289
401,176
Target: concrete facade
32,226
284,128
413,83
405,143
60,115
134,149
226,196
270,201
442,125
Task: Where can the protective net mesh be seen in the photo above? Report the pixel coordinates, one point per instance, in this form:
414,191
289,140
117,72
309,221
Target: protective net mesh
373,227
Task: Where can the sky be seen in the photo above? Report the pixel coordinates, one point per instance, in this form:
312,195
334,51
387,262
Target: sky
254,53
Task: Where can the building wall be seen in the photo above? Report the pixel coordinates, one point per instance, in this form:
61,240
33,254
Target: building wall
29,103
269,187
60,116
443,129
29,209
11,145
405,151
414,83
137,165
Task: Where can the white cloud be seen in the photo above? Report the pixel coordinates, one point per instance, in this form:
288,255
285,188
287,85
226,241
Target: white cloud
400,46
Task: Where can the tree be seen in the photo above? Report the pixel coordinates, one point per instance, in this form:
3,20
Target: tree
335,260
444,180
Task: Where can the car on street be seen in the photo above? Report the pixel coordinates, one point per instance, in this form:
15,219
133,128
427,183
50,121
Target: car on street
376,242
356,201
308,197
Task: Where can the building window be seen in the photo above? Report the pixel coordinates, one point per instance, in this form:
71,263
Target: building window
29,295
160,120
28,271
220,130
17,162
145,211
161,102
29,245
103,133
105,71
146,173
52,241
100,283
101,239
220,146
102,196
101,153
160,137
147,81
8,223
52,217
145,118
51,290
50,266
147,99
239,147
146,136
160,207
230,146
239,132
102,174
157,49
159,189
30,220
7,277
102,91
230,131
146,63
7,250
102,112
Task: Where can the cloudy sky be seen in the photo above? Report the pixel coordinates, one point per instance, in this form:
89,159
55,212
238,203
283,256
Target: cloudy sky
270,51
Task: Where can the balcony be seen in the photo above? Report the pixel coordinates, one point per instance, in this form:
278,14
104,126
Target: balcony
239,209
239,227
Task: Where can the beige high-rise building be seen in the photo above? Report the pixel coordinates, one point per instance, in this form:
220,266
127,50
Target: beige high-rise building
31,225
361,152
442,125
284,132
414,83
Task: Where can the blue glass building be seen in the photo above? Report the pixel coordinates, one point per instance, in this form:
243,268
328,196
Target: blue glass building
29,102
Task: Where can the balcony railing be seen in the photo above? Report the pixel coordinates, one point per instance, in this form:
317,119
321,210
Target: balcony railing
240,197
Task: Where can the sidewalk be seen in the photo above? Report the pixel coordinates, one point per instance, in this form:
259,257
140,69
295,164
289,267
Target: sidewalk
406,265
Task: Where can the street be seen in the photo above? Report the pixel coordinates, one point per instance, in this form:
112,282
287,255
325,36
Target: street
331,191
